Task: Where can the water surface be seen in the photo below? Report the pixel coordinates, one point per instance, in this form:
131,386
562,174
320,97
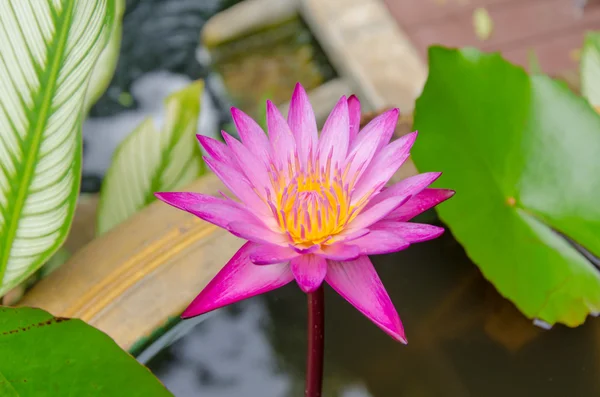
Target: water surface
464,340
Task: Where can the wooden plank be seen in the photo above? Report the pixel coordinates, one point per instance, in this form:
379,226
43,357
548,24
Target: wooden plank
130,281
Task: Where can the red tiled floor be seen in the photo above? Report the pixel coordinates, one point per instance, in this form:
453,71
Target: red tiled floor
411,13
552,28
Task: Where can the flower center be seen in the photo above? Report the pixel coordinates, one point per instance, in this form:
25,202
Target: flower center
312,206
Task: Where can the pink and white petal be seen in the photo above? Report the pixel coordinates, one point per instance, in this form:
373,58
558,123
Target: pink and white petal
380,129
283,145
239,185
339,251
222,213
227,214
377,212
354,117
217,211
301,119
252,135
305,250
181,200
257,233
419,203
384,166
358,283
410,187
268,254
379,242
369,141
346,236
270,221
309,271
335,135
238,280
218,151
409,231
253,168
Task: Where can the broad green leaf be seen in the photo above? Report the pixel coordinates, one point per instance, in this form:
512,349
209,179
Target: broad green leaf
590,69
107,62
47,54
149,161
522,153
44,355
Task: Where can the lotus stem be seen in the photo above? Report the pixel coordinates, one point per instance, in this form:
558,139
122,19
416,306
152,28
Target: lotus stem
316,341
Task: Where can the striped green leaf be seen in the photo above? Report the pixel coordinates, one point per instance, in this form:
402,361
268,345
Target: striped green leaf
48,49
107,62
148,161
590,69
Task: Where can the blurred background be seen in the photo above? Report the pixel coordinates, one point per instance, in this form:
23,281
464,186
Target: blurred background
465,338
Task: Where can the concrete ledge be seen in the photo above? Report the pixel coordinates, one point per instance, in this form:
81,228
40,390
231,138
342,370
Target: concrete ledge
246,18
366,46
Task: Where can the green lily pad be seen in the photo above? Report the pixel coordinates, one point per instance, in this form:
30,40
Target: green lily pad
523,154
44,355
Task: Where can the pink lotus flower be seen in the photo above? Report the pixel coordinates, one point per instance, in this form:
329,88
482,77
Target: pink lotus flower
312,208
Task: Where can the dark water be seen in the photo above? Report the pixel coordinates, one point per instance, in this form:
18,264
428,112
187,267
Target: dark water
157,35
464,340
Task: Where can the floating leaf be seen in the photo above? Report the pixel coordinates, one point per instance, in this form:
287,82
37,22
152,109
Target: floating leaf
44,355
522,153
148,161
47,54
107,62
590,69
483,24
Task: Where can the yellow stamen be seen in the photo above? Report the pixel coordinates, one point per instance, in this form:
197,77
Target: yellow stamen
313,204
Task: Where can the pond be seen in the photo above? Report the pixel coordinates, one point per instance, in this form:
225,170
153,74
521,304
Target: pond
464,340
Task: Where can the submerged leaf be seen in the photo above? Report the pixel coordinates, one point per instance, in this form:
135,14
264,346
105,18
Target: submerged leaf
522,153
47,54
44,355
149,161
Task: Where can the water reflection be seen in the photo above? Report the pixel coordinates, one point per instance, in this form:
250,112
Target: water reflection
464,340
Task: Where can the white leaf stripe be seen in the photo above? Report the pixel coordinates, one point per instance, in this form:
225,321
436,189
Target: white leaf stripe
148,161
47,52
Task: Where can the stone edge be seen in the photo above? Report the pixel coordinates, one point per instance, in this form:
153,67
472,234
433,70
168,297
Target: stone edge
368,48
